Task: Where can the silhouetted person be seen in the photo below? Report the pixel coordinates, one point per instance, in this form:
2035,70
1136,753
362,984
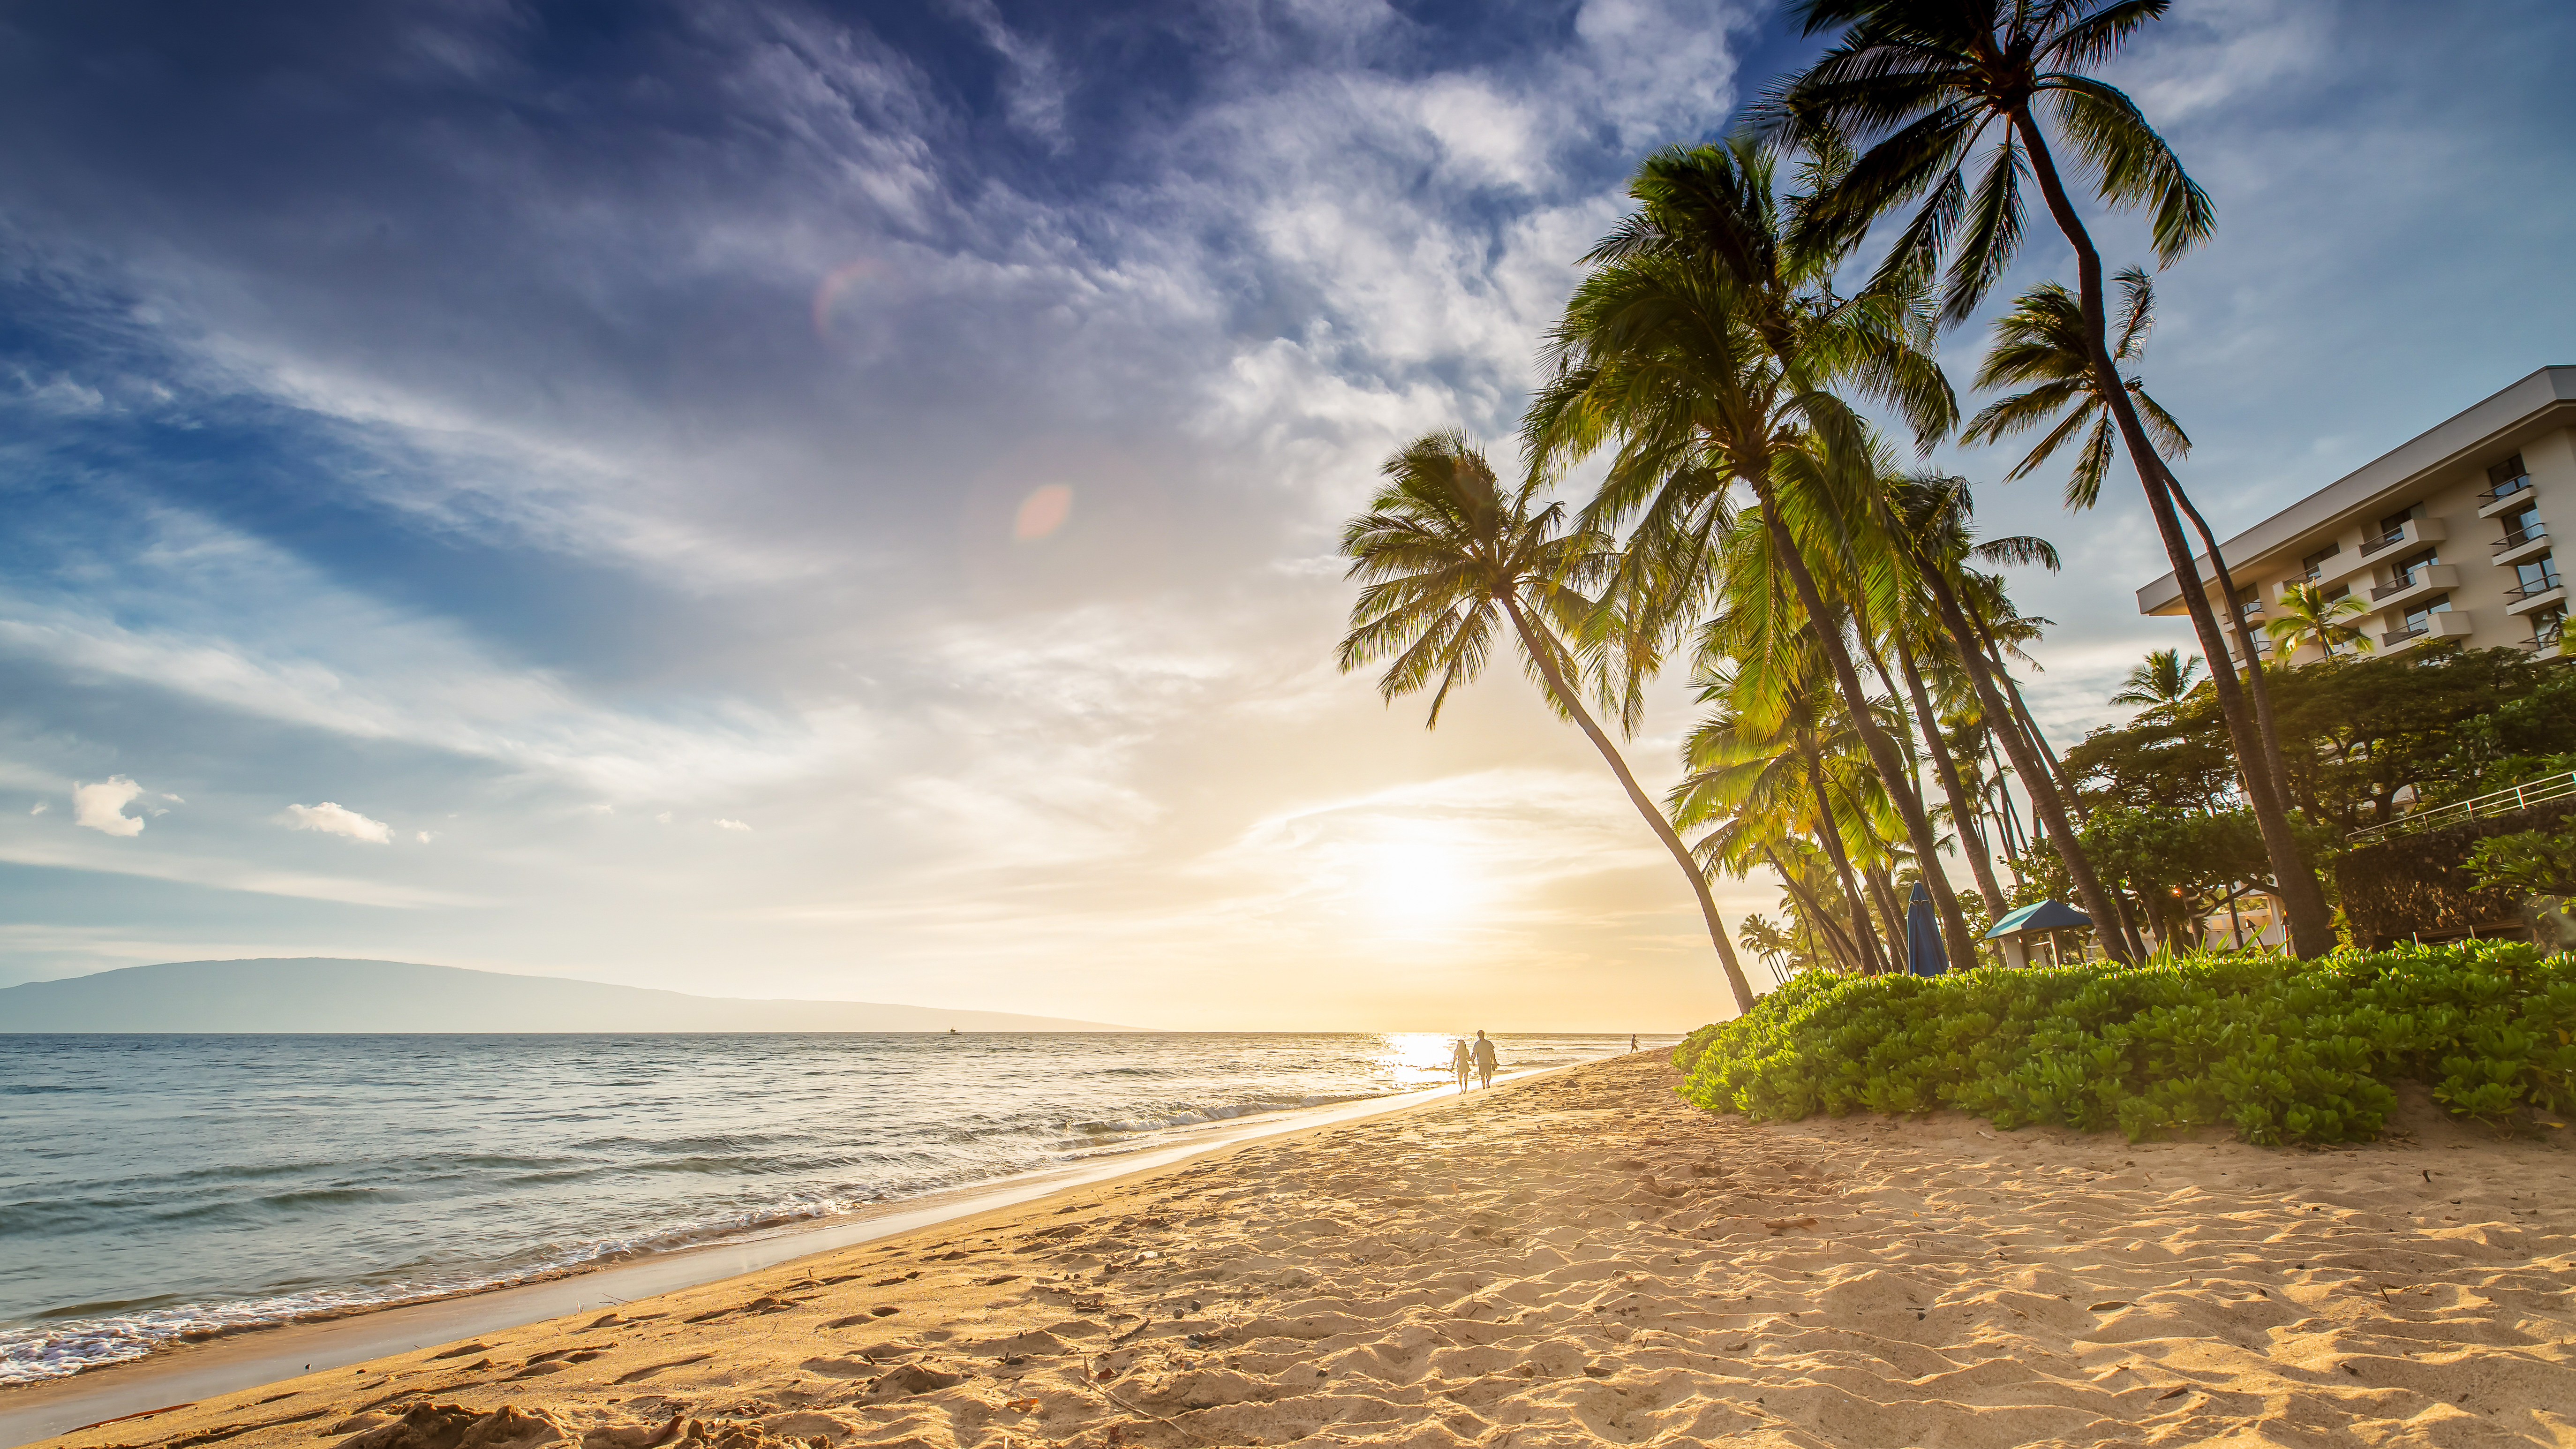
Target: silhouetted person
1460,1063
1484,1052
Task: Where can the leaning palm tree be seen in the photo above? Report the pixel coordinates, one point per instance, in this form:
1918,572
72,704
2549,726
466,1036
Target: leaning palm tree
2308,617
1922,83
2041,343
1448,559
2164,680
1931,520
1706,351
1771,943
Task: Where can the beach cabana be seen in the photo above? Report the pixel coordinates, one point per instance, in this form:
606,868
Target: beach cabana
2012,934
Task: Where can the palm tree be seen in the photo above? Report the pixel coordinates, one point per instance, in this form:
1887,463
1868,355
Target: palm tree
1769,942
2166,679
2041,341
2308,617
1448,558
1707,347
1922,82
1932,513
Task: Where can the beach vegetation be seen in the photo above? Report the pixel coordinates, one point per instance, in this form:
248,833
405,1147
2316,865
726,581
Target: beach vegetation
2270,1047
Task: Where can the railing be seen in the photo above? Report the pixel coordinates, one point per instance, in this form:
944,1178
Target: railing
2395,637
2371,546
2548,585
2391,591
2502,802
2505,489
2521,536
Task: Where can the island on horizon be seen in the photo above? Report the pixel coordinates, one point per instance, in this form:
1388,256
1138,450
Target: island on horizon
322,994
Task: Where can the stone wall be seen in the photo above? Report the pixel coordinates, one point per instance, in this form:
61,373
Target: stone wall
2417,887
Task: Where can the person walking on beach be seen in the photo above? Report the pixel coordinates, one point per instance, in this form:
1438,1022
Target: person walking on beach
1460,1063
1484,1060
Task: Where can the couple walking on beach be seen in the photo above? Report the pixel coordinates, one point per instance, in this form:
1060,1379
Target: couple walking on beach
1478,1059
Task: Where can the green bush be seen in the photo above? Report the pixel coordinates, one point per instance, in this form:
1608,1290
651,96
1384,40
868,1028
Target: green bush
2279,1050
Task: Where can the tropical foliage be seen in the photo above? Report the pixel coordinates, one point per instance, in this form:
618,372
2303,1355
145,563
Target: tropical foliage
1855,651
2277,1049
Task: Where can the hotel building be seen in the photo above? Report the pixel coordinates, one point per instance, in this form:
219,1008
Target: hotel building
2445,537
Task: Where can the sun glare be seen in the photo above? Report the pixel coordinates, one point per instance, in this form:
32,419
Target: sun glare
1420,882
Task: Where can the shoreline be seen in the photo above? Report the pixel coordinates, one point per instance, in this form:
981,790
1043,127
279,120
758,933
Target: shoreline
185,1371
1577,1260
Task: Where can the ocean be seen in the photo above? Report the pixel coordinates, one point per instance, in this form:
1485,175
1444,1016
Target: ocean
157,1188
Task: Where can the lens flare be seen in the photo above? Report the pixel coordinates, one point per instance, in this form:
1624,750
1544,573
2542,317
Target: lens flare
1043,512
835,286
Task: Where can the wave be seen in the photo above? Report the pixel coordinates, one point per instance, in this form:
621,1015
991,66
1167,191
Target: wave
387,1182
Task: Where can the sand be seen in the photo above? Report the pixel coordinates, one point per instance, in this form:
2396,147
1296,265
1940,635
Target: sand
1582,1259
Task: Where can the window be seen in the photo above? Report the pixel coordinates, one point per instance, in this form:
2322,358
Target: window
2389,526
2308,565
2249,601
2546,624
2339,591
2506,479
2404,573
2419,617
2533,576
2521,526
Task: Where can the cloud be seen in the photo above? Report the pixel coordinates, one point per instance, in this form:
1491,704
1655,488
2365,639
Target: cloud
101,807
41,807
332,819
722,824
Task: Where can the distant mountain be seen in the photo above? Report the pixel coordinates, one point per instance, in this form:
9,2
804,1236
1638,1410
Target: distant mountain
319,994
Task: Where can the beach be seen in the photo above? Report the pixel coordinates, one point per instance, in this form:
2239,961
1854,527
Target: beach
1579,1258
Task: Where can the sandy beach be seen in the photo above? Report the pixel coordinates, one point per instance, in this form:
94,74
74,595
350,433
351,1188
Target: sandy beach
1581,1258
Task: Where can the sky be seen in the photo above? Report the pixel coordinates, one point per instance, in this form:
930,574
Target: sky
810,500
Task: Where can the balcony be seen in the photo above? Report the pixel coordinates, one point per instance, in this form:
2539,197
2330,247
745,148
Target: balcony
2521,545
2504,495
2332,571
2448,624
2523,601
2425,581
2413,530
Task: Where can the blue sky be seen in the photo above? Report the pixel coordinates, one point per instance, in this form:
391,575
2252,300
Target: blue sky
603,453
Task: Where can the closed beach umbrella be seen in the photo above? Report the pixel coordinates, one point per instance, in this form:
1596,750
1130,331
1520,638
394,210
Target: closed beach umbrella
1923,936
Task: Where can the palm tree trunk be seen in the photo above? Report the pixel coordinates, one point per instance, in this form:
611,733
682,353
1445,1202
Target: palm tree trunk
1663,828
2022,718
1816,914
2034,776
2276,764
1882,752
2311,925
2007,818
1832,836
1882,889
1971,840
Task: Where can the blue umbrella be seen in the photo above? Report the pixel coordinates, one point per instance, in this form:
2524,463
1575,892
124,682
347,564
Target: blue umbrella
1923,954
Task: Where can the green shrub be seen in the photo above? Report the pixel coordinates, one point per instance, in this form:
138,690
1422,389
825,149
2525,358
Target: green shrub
2279,1050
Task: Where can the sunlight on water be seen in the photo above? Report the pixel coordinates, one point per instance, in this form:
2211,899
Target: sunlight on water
159,1186
1418,1059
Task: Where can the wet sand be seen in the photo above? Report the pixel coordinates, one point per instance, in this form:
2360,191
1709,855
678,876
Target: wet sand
1578,1259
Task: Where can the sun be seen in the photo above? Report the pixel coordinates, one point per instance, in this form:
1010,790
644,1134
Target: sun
1419,882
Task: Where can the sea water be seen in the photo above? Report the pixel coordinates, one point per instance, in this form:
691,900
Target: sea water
154,1188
